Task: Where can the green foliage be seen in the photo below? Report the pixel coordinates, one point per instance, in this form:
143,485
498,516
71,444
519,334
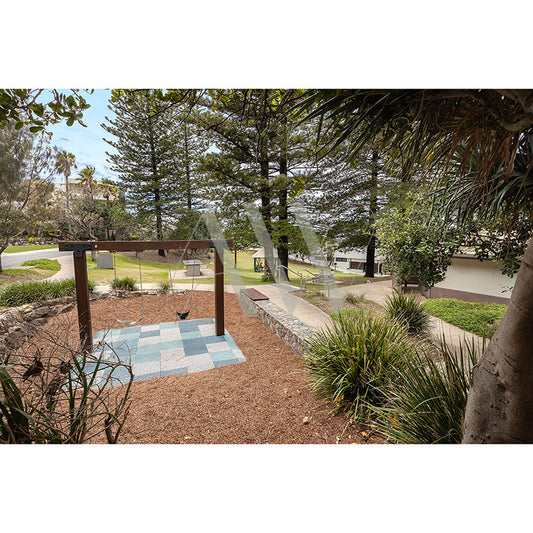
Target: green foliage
165,286
44,264
416,241
125,284
407,308
427,401
21,107
348,313
189,225
14,421
479,318
156,151
355,299
26,292
352,361
25,190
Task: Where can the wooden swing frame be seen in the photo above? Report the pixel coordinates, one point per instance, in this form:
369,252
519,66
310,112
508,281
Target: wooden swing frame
80,248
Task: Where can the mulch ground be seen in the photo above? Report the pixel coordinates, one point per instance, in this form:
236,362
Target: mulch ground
265,400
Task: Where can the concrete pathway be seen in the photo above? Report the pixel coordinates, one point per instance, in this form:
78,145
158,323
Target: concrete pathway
280,294
379,290
67,268
16,258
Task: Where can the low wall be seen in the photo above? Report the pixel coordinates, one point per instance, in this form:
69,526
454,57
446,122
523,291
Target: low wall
18,324
289,329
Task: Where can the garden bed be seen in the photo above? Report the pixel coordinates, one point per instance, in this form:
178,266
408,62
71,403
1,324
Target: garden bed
321,301
476,317
266,399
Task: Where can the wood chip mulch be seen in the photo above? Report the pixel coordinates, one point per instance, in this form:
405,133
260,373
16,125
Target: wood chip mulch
265,400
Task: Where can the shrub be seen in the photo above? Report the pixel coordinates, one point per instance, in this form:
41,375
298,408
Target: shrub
407,308
351,312
26,292
355,299
479,318
427,403
353,360
165,286
44,264
125,284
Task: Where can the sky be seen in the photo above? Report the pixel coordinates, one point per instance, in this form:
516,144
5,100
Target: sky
87,143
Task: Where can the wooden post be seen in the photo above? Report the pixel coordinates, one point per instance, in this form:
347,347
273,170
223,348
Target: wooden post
219,294
82,298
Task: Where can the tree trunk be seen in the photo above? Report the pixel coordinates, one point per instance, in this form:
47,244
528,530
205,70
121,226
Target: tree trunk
267,241
157,190
158,221
188,170
500,401
373,208
68,207
283,248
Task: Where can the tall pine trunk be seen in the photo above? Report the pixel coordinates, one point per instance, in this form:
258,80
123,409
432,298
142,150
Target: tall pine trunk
373,208
188,170
266,213
157,189
283,248
500,401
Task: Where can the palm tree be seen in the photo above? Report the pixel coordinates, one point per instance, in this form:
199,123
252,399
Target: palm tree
433,129
87,180
64,162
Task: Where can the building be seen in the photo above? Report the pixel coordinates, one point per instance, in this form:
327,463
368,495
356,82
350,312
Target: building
472,280
355,261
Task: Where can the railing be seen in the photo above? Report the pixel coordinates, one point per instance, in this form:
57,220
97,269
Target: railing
303,281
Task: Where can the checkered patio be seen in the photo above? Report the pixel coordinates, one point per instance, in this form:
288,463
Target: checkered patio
165,349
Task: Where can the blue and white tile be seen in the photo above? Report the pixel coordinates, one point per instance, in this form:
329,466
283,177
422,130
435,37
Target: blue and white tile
199,363
218,346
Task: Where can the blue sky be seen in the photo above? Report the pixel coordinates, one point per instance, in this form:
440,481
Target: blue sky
87,144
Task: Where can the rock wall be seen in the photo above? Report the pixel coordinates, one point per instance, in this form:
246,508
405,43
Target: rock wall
289,329
17,324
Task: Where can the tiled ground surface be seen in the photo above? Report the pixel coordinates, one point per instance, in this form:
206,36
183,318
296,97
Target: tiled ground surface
169,348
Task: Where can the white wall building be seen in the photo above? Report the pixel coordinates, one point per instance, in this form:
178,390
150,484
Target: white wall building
472,280
355,260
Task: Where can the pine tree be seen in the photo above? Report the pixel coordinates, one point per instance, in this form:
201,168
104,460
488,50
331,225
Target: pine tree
260,152
156,149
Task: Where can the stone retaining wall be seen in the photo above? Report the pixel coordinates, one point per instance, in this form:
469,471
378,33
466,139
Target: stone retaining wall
289,329
17,324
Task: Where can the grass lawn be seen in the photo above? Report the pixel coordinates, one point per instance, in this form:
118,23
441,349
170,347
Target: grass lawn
28,248
129,267
153,272
479,318
43,268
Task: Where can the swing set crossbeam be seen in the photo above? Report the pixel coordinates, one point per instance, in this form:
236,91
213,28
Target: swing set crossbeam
79,249
139,246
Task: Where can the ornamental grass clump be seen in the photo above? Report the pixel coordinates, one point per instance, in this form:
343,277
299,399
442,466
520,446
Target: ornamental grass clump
355,299
352,361
26,292
407,308
426,403
126,284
